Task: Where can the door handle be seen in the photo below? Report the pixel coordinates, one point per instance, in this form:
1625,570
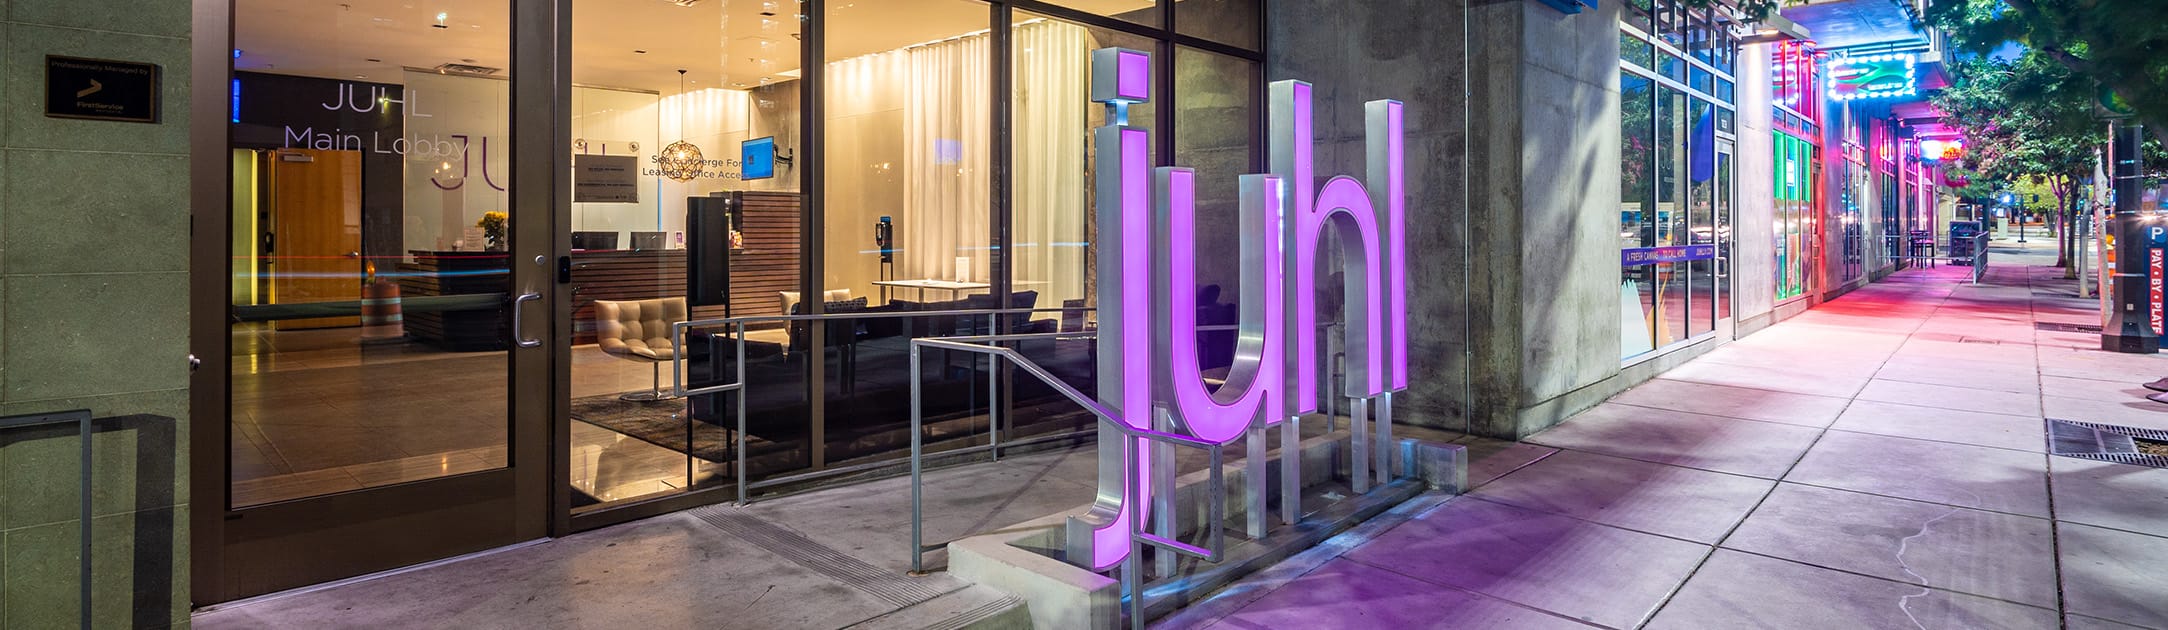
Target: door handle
518,319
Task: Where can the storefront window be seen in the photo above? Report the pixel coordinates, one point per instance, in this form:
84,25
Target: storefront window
1637,192
372,170
1795,219
1674,192
703,224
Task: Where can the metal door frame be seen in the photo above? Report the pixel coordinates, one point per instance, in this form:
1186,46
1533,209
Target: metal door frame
453,515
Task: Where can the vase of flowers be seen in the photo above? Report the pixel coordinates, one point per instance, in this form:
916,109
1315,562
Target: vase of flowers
492,224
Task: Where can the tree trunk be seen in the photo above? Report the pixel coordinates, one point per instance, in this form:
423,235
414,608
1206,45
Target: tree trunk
2067,196
2062,248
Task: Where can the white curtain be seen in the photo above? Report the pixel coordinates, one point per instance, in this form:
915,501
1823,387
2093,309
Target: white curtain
1052,123
939,94
946,142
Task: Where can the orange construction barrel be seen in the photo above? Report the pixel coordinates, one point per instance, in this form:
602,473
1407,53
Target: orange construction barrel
380,317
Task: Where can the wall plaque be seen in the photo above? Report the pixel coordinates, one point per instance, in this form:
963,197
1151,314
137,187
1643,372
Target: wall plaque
100,89
605,179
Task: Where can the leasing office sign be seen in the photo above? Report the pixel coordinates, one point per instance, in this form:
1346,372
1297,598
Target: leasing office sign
99,89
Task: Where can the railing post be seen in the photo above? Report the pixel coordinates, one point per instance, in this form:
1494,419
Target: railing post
1164,496
742,404
1359,439
1384,449
1254,483
1291,469
918,515
993,401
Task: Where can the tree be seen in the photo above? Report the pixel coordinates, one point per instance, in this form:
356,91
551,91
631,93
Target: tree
2117,45
2028,120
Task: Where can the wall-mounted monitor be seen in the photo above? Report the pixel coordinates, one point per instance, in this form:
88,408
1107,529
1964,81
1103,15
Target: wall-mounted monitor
758,160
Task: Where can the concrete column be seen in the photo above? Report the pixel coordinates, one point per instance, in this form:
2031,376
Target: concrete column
1414,51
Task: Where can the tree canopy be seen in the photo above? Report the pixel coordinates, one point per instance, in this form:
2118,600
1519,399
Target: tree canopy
2021,118
2120,46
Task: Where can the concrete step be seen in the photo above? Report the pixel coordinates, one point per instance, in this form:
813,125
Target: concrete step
976,607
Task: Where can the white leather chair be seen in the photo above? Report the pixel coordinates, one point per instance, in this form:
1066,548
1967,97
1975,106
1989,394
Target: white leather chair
639,330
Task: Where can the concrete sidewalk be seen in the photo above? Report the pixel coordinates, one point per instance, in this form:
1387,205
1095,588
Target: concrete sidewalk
1877,462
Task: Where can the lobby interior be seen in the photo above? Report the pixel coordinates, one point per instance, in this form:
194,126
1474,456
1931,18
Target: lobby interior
370,157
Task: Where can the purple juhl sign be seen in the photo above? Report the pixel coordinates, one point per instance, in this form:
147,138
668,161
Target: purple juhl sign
1148,356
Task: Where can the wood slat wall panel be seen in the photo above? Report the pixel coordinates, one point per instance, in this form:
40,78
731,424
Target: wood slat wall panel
768,264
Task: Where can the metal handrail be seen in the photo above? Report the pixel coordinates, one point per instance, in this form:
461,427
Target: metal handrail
1132,567
738,324
737,332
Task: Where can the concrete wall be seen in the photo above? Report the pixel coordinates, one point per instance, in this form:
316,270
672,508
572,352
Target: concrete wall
93,314
1544,150
1569,215
1414,51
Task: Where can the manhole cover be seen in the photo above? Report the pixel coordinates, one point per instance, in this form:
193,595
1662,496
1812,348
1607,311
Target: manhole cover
2068,328
2108,443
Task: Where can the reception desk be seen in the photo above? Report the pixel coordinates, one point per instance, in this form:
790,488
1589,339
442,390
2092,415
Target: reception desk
430,274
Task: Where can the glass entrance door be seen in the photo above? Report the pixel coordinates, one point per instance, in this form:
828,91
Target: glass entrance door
386,383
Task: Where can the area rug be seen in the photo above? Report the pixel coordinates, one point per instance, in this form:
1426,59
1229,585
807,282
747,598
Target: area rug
651,422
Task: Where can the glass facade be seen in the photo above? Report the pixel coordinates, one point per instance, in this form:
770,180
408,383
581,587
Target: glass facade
1797,235
1675,178
1795,164
1855,195
897,169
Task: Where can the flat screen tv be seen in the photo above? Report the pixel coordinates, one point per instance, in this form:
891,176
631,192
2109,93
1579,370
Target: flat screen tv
758,161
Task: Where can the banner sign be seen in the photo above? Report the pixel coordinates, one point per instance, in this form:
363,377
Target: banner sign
1637,256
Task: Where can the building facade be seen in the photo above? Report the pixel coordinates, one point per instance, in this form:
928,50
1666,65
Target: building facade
437,263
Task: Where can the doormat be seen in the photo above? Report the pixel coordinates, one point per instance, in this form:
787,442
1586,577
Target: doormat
2067,328
2108,443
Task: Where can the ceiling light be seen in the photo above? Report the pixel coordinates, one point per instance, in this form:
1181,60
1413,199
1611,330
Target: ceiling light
681,160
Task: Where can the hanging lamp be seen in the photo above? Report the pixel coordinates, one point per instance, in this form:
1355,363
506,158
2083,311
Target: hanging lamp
681,160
